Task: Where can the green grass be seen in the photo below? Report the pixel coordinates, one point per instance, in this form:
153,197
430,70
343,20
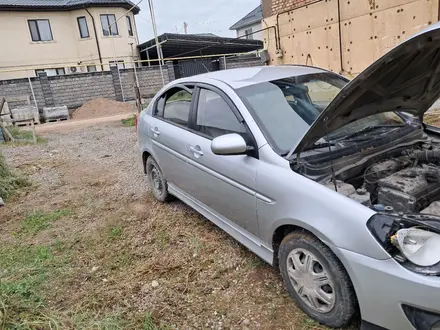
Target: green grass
254,262
24,137
115,232
161,238
148,323
10,181
129,122
20,134
37,221
25,270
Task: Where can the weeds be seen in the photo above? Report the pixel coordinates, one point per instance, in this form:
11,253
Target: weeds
37,221
10,182
23,137
115,232
20,134
25,270
161,238
254,262
148,323
197,245
129,122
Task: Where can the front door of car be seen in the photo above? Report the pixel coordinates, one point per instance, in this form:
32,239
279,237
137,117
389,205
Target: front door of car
225,184
169,130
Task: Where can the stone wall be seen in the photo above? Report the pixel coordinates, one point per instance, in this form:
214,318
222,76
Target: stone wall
272,7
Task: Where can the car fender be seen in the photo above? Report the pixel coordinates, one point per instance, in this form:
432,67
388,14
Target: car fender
292,199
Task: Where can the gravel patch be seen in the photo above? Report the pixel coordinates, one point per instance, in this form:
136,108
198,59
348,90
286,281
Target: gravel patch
102,148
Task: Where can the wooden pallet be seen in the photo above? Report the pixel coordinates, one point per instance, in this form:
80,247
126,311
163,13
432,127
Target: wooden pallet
56,120
24,124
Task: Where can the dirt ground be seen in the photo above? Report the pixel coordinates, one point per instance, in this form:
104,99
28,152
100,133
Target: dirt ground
88,247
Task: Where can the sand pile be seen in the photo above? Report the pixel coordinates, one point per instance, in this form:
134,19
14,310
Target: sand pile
102,108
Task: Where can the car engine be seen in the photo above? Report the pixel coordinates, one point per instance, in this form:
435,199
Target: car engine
408,183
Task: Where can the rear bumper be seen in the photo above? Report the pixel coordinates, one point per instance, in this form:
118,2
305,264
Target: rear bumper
383,287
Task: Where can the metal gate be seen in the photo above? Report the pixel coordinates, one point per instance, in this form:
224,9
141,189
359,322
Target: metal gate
188,68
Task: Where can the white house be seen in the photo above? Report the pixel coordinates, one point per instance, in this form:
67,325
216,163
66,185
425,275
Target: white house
249,24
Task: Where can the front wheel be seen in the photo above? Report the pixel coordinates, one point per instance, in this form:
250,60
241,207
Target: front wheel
157,182
316,280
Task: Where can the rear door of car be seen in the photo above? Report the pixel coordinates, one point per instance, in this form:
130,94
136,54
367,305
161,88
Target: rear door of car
225,184
169,130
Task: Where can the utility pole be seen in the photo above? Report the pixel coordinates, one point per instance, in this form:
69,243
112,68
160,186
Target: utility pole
159,52
136,87
185,27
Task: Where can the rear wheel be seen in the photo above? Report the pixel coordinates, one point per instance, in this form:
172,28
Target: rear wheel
157,182
316,280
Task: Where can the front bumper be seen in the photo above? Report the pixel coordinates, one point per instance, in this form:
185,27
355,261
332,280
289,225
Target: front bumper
383,287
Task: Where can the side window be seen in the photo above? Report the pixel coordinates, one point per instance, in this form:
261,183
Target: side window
175,106
215,117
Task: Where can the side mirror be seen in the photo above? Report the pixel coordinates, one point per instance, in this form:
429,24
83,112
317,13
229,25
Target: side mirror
229,144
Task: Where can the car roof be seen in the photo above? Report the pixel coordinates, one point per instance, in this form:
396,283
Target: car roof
242,77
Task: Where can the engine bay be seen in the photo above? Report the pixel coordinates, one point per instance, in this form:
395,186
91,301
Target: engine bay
402,179
401,182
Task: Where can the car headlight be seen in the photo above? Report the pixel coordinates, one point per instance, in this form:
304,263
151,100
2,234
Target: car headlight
419,246
412,240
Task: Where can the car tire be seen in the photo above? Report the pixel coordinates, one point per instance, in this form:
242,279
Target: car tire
316,280
157,182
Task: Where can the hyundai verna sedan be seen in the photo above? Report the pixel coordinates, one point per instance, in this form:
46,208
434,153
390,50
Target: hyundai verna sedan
337,183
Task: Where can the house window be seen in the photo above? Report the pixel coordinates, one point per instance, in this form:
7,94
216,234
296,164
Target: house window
130,29
51,72
83,28
91,68
109,26
120,64
248,34
40,29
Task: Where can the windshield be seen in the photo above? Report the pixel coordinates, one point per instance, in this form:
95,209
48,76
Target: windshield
286,108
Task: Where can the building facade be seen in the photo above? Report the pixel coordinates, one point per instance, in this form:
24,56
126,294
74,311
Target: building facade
344,36
249,26
66,36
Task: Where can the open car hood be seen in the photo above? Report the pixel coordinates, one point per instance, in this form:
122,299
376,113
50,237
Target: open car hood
407,79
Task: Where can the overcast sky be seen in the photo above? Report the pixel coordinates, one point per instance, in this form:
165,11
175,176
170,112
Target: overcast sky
202,16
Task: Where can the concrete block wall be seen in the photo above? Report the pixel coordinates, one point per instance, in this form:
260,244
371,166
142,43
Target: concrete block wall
76,89
150,80
20,87
240,62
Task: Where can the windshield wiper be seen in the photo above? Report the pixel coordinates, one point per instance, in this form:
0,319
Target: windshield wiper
320,145
368,129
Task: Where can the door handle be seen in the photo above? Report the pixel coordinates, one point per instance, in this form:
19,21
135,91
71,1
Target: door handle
197,151
155,131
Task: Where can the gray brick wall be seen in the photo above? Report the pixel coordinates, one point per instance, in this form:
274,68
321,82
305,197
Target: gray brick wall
20,87
150,80
240,62
75,90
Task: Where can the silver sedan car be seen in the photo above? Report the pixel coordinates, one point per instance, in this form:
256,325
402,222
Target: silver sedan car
337,183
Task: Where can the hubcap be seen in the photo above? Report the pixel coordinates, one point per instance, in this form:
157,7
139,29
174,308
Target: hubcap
155,180
310,280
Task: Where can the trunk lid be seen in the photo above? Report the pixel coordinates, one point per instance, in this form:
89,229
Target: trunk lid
407,78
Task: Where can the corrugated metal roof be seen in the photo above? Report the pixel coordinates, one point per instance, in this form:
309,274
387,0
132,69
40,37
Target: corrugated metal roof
62,4
179,45
254,16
